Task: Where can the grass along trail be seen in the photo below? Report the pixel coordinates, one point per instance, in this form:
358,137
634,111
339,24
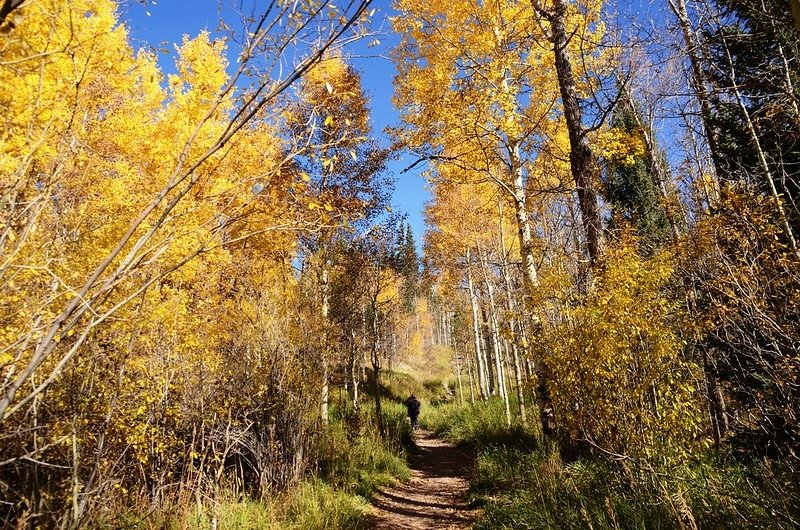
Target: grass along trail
435,497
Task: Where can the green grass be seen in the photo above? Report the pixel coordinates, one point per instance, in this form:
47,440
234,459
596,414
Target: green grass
312,505
483,424
319,506
356,460
400,437
397,386
528,490
352,462
520,487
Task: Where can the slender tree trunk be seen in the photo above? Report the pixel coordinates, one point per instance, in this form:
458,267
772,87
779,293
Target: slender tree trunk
486,343
376,372
581,159
458,373
698,80
324,391
449,321
762,158
376,381
470,374
716,401
787,71
494,329
352,373
448,337
787,75
446,328
476,329
522,408
531,282
512,323
76,483
523,223
575,222
708,190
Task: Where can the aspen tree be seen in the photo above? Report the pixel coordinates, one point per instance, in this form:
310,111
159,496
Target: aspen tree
330,133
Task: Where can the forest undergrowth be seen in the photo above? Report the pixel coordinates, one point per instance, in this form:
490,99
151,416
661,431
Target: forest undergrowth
350,461
522,486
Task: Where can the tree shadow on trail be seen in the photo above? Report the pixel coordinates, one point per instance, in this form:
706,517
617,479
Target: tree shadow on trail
414,517
440,460
405,500
435,496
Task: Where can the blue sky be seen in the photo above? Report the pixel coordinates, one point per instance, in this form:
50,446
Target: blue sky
169,20
160,25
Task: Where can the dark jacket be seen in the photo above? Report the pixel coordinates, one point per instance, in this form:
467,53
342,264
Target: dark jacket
413,405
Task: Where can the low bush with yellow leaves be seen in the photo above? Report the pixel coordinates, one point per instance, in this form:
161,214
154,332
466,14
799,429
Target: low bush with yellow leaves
620,380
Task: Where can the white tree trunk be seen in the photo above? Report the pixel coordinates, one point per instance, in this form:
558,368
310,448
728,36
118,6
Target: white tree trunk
324,390
476,330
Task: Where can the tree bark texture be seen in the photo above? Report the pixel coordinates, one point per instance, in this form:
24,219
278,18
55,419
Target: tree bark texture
496,341
515,349
581,159
324,390
531,282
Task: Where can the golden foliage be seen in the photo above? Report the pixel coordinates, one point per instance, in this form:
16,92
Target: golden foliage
619,377
191,329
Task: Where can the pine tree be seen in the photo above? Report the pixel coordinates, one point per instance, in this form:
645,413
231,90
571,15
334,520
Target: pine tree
407,263
410,264
631,185
753,54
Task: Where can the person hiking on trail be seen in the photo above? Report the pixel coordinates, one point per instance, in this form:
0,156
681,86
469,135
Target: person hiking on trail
413,405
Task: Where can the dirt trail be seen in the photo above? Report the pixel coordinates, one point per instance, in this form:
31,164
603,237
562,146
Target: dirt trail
435,497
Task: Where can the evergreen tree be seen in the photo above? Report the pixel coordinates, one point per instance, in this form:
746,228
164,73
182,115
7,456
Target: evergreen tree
405,261
410,261
631,187
397,247
751,61
753,56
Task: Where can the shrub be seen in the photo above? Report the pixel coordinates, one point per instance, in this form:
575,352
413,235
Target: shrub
353,457
523,488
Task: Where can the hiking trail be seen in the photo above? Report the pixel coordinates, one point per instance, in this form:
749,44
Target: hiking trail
434,497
